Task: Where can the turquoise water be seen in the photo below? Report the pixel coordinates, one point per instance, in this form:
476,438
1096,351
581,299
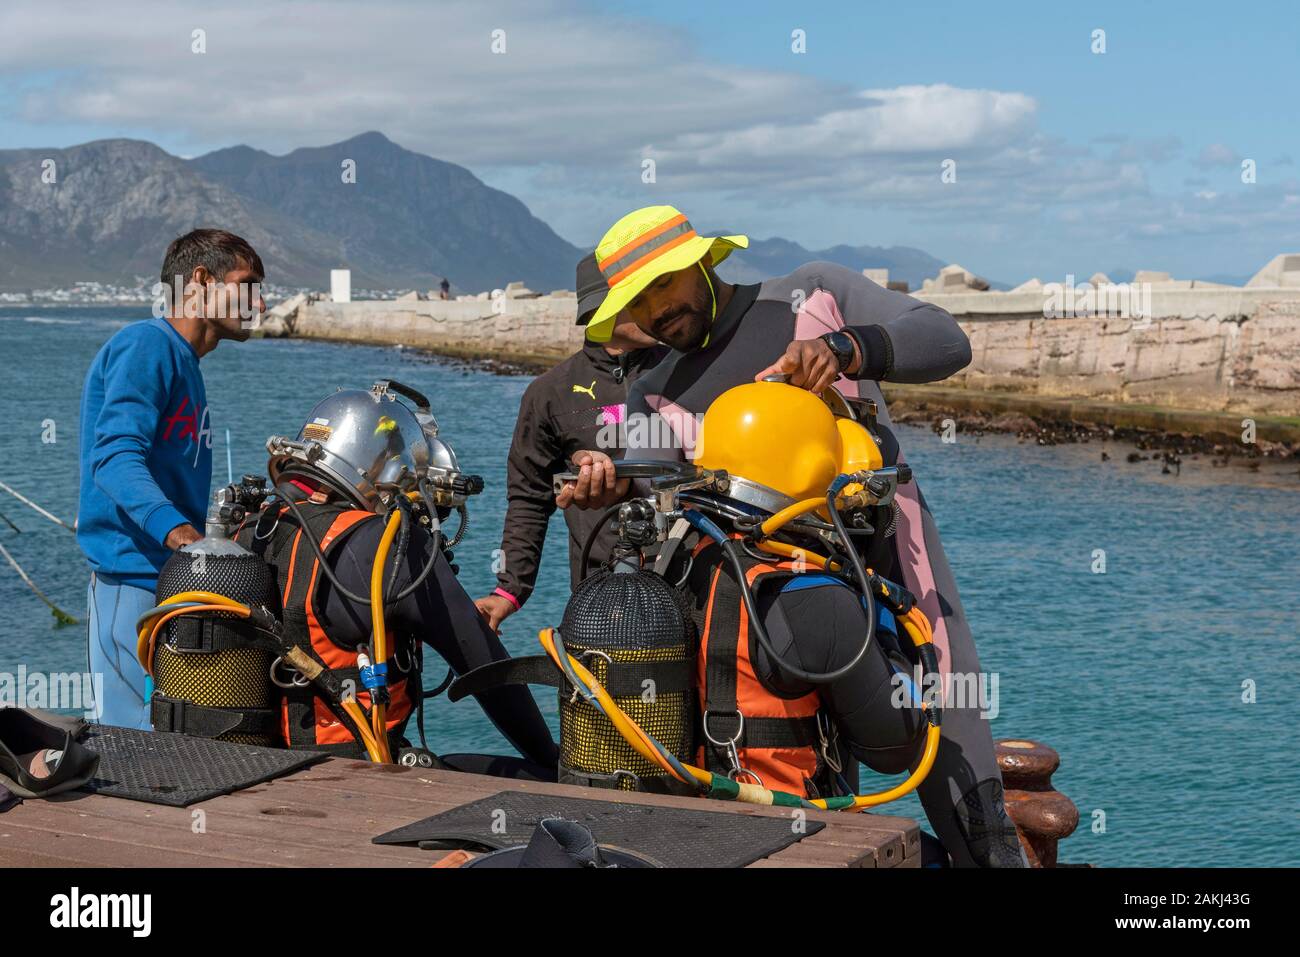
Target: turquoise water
1134,675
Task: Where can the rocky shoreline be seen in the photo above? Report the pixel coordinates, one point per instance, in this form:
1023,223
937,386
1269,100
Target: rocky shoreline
1170,448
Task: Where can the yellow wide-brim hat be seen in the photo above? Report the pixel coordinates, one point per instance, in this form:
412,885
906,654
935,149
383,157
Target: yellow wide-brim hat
641,247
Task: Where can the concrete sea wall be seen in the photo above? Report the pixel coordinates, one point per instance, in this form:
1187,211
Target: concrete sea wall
1229,361
1219,349
531,332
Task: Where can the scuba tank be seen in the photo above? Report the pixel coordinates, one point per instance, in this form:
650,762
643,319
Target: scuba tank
632,631
211,679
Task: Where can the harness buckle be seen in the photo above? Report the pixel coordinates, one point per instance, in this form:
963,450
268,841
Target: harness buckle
827,738
729,745
299,680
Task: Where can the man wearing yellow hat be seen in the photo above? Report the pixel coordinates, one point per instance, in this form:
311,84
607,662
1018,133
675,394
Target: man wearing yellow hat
821,325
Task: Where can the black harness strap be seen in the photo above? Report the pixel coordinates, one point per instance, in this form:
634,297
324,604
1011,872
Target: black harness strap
532,670
185,717
204,635
721,719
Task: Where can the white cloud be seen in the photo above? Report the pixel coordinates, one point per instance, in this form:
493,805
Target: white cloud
1217,154
566,115
568,88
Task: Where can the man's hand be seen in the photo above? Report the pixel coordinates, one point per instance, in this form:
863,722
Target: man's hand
810,365
180,536
495,609
597,487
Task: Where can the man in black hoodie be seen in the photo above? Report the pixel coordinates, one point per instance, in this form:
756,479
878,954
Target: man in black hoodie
567,409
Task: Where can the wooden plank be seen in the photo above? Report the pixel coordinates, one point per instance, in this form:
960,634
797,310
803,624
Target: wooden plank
475,787
71,847
893,839
883,843
325,815
224,832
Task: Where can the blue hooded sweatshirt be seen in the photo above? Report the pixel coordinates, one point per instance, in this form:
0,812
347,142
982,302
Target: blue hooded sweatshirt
146,450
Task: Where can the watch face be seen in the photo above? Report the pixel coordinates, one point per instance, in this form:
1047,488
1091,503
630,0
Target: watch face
842,346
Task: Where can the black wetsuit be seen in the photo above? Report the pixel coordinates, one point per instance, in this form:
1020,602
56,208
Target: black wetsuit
818,625
567,409
440,613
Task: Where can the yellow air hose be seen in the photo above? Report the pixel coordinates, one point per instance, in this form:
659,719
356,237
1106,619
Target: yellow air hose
152,626
379,640
790,513
917,627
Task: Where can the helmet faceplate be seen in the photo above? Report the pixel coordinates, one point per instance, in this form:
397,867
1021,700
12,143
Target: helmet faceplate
363,443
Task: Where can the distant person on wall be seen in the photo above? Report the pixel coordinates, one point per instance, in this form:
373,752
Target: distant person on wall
146,448
445,286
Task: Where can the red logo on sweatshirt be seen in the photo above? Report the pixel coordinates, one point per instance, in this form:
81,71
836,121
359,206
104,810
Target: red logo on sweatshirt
189,423
193,425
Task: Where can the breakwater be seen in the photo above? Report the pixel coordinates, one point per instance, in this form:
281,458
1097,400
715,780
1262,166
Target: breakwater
1226,351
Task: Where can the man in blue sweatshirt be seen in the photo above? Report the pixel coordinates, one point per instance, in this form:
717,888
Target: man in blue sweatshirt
146,448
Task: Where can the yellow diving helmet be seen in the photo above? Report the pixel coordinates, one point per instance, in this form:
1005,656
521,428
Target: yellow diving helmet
780,444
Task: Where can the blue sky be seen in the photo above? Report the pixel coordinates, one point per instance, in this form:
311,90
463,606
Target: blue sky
1066,160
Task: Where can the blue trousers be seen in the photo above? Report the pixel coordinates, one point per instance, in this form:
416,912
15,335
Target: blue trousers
113,610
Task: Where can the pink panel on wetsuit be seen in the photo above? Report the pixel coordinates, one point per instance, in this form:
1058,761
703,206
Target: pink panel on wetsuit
819,315
684,425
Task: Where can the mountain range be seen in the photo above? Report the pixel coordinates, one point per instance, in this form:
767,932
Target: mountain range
104,211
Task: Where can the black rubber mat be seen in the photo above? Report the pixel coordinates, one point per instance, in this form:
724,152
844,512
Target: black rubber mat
674,837
178,770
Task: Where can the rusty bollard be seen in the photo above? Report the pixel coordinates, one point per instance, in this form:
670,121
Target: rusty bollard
1042,815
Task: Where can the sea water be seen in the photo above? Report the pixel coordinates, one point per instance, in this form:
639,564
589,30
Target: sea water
1144,625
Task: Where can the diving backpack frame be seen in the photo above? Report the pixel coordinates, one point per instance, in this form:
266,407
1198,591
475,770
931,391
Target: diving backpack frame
216,647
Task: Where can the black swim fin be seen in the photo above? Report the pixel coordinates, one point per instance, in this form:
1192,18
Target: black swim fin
38,758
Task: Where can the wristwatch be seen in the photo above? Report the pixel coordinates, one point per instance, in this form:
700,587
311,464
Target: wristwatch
841,346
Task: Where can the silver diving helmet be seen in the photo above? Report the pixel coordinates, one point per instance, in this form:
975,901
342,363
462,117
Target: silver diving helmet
366,445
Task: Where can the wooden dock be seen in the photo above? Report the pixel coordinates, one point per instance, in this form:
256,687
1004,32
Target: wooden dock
325,816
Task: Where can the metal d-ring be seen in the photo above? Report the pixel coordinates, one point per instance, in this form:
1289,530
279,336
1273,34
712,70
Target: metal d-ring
636,778
736,773
729,746
410,660
274,526
292,683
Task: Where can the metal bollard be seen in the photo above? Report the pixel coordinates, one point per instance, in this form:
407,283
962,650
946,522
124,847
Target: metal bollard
1042,815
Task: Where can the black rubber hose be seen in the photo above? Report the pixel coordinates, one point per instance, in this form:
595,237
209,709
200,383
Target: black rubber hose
433,552
859,570
329,572
731,548
594,534
403,543
760,632
315,547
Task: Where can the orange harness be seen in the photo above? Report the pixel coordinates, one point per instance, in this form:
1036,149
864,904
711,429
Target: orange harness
306,720
747,732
